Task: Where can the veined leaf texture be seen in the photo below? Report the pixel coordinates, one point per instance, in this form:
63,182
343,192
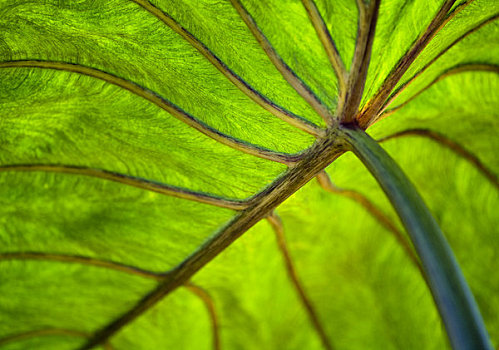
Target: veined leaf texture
158,163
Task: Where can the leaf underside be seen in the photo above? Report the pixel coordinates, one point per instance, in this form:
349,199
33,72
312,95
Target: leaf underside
140,139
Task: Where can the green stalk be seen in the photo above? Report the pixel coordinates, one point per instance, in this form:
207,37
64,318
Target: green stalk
453,297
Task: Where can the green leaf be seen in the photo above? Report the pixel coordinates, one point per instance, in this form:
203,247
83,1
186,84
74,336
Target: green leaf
143,146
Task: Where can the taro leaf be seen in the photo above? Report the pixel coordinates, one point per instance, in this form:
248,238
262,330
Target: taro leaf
139,139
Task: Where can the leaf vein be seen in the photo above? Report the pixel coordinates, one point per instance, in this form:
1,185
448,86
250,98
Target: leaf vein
469,67
451,145
263,101
162,103
372,107
48,332
368,17
289,75
85,260
433,60
328,44
325,182
133,181
212,311
201,293
315,159
277,225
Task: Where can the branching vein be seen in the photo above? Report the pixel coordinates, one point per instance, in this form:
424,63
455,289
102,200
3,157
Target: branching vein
131,181
276,223
281,66
434,59
368,17
471,67
161,102
326,183
303,167
261,100
328,43
111,265
373,107
210,307
48,332
451,145
315,159
84,260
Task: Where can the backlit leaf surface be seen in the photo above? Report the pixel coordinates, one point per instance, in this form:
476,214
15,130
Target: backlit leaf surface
80,83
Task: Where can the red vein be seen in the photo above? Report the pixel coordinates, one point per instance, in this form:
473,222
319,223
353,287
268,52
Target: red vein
454,70
257,97
288,74
168,106
131,181
276,223
326,183
111,265
451,145
321,154
210,307
85,260
373,107
328,44
433,60
47,332
368,17
41,332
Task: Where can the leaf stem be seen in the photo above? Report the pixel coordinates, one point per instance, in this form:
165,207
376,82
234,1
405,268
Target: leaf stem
454,300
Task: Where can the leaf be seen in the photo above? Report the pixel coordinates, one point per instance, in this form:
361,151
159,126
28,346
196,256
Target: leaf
140,139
